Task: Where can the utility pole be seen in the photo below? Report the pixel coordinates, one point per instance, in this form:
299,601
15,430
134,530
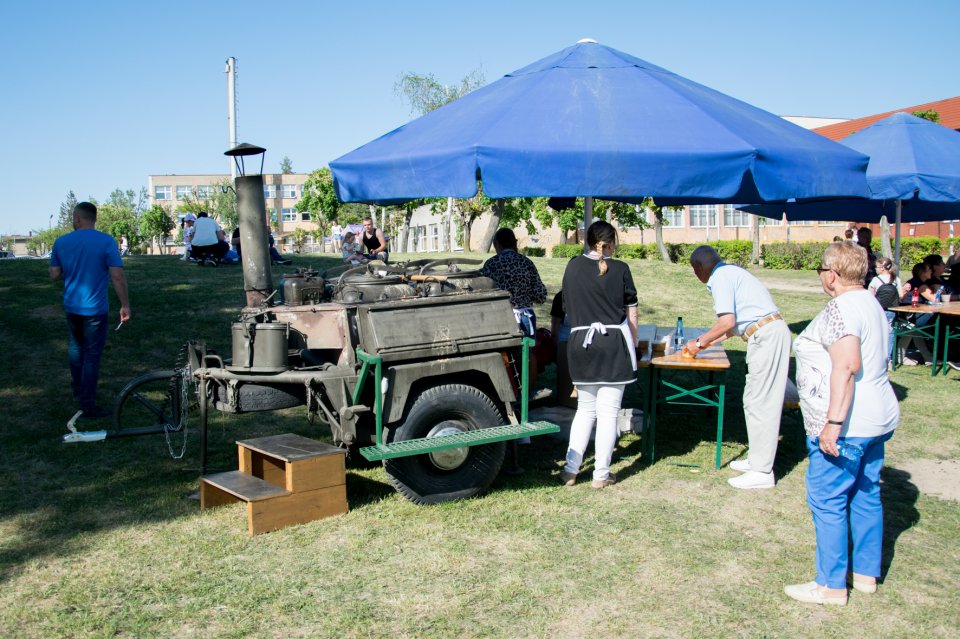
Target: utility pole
231,71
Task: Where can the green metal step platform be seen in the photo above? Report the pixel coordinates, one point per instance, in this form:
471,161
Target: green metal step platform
459,440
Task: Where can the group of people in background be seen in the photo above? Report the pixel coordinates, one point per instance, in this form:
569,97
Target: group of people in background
370,244
848,404
205,242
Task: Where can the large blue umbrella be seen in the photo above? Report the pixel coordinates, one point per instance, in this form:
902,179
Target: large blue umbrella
914,176
593,121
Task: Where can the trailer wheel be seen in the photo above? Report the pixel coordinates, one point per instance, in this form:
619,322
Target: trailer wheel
152,399
447,475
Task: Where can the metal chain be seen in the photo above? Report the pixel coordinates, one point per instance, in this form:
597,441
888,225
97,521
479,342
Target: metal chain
179,390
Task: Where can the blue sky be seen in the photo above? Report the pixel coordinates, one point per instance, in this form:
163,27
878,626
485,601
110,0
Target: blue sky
97,95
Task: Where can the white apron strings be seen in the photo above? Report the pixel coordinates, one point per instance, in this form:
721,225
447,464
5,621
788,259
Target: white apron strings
624,327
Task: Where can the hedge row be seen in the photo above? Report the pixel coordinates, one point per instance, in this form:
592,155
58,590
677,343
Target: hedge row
775,255
732,251
807,255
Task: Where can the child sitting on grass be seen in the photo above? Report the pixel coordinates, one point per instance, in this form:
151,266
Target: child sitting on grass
352,251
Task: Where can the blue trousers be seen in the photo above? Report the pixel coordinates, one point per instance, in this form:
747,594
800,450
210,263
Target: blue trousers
844,498
86,336
890,317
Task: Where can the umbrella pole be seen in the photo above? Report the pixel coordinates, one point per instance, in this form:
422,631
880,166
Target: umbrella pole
896,241
587,219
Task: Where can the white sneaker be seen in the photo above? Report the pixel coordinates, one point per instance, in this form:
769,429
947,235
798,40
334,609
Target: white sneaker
810,593
740,465
752,479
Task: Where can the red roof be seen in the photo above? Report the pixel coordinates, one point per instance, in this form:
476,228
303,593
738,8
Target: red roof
948,109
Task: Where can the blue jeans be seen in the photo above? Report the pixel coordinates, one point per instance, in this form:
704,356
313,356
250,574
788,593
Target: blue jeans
86,336
844,498
890,317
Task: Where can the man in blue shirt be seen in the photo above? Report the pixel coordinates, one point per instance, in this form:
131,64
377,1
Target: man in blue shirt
87,259
744,307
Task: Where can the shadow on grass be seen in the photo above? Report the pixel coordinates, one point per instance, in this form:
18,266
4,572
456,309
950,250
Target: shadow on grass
363,490
899,497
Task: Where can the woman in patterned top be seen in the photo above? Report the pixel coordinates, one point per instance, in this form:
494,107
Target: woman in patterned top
849,412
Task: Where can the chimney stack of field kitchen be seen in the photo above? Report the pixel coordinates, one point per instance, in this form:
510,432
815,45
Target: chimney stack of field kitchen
254,233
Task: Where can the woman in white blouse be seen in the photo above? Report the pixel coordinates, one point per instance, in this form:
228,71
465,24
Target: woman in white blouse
849,412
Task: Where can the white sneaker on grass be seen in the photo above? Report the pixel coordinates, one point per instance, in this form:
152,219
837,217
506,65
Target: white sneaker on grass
740,465
752,479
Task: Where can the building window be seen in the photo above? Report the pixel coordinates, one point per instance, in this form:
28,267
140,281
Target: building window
703,215
269,191
272,214
305,216
184,192
288,215
288,190
162,193
733,217
673,216
205,191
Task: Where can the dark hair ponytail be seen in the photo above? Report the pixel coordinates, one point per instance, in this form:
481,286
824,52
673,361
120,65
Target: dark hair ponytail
601,235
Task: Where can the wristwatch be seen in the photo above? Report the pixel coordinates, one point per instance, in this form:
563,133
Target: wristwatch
699,347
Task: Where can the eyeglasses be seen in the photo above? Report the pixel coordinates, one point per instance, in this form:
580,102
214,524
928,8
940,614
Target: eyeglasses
822,269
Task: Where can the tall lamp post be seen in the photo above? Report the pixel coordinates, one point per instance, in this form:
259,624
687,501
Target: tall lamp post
254,235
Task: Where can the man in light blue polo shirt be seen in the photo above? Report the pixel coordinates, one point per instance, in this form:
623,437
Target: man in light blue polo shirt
87,259
744,307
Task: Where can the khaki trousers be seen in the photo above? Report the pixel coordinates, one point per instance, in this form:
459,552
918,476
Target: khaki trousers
768,362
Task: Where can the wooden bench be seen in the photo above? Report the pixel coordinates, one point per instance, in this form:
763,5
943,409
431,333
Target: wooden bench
283,479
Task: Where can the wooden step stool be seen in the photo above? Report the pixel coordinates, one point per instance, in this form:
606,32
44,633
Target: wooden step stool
284,480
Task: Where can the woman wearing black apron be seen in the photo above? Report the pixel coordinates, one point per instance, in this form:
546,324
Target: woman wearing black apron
600,300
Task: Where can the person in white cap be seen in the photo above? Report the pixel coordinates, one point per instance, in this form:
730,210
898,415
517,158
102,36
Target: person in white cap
187,225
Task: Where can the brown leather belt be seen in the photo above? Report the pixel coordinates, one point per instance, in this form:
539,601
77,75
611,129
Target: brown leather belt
760,323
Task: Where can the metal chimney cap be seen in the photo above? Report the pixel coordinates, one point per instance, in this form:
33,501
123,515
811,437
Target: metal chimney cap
245,149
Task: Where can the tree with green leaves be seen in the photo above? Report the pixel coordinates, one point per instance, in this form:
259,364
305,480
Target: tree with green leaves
65,219
466,211
300,237
931,115
658,223
156,224
319,197
424,93
42,241
119,216
286,166
223,204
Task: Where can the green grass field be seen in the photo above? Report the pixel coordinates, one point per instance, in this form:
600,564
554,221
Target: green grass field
102,540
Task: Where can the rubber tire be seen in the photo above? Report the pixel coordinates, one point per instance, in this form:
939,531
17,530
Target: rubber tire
255,398
125,396
417,478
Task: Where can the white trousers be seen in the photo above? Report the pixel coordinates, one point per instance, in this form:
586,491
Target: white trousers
596,404
768,361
